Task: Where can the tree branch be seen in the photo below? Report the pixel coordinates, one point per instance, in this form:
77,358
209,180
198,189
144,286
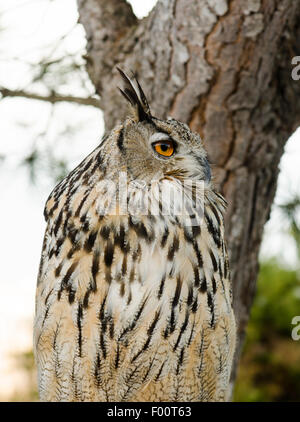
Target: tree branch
52,98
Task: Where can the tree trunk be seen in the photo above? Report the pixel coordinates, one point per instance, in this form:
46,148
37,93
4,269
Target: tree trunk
223,67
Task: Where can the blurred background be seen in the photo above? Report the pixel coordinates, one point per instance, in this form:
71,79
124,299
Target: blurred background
49,121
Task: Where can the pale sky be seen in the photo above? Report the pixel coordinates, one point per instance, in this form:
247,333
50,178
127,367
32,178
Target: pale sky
31,29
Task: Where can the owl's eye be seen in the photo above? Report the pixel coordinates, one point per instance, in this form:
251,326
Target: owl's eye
165,148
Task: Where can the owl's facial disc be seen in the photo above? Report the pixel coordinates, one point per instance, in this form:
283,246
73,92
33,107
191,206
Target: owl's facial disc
181,152
156,147
164,149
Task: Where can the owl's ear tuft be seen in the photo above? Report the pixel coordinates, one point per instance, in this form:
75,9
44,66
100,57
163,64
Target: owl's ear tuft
136,97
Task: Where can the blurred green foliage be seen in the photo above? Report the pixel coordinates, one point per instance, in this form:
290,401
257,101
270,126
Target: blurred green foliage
25,363
270,366
277,302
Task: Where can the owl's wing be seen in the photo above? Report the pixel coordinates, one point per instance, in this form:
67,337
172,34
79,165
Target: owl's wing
70,264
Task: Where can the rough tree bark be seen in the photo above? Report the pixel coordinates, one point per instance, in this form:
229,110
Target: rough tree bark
223,67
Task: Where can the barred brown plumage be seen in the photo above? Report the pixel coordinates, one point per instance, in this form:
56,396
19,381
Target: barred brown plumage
134,305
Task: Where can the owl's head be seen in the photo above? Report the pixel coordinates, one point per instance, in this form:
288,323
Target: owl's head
151,148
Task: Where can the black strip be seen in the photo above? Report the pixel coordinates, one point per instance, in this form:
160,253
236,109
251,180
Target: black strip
177,292
77,212
196,277
89,243
215,212
120,140
190,296
164,237
71,296
72,233
65,280
79,317
91,288
111,329
75,247
180,360
47,297
198,255
46,315
58,270
83,218
86,226
214,285
86,299
124,265
104,324
109,253
141,230
95,265
191,334
220,269
117,359
102,312
87,165
136,254
201,353
161,287
65,226
203,286
213,260
211,307
153,324
51,211
226,269
195,305
213,231
102,345
74,179
182,330
171,327
59,243
104,232
160,371
120,240
97,371
173,248
51,253
58,222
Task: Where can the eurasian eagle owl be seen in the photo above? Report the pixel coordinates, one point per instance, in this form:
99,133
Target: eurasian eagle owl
134,298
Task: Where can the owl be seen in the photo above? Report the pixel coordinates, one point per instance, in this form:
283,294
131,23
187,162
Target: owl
133,299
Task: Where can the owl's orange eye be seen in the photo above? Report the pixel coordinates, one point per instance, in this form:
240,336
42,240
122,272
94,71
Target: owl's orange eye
165,148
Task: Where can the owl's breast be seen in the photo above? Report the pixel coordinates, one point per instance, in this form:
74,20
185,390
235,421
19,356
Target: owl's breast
137,309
